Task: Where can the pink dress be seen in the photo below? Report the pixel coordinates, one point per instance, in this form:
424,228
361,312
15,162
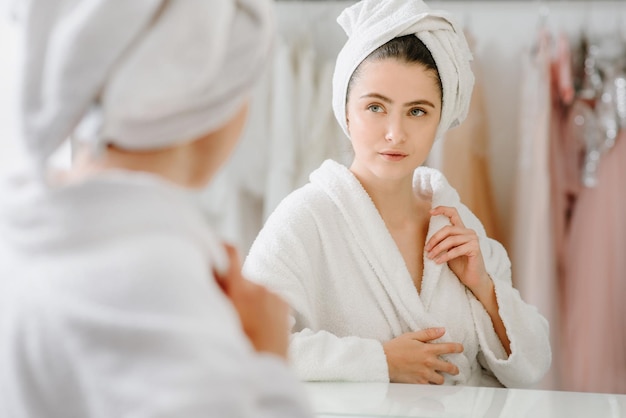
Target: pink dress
565,184
593,331
589,226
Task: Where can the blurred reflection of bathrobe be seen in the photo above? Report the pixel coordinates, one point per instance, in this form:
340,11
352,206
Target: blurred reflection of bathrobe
327,251
108,308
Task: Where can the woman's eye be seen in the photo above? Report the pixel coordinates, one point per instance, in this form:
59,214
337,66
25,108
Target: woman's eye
375,108
417,112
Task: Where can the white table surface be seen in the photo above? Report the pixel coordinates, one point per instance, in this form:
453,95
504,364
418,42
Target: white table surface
339,399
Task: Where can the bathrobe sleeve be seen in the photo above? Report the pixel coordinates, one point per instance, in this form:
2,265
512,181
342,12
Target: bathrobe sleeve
159,339
527,329
289,258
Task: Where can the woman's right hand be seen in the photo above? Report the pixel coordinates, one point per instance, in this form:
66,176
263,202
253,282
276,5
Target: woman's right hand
412,358
263,314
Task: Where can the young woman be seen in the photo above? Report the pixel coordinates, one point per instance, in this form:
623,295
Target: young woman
389,275
116,299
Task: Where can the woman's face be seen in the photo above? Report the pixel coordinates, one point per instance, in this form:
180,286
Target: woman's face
393,112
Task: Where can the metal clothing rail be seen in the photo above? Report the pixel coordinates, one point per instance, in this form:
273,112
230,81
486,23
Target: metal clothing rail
469,2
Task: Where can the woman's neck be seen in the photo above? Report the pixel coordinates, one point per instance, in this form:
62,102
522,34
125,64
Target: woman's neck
395,200
163,163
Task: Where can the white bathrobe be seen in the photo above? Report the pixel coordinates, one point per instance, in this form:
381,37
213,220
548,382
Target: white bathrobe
108,308
327,251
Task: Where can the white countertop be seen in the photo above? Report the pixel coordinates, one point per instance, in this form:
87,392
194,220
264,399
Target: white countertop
339,399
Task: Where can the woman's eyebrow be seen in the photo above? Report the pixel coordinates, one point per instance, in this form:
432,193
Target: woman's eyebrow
376,96
420,103
388,100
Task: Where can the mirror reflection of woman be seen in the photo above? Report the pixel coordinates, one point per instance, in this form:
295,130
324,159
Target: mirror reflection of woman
389,275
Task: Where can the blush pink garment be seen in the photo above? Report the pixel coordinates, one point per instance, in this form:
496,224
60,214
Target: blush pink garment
590,241
465,159
566,145
565,159
594,283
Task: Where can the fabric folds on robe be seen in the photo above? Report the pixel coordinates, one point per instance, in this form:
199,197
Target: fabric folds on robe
328,252
107,291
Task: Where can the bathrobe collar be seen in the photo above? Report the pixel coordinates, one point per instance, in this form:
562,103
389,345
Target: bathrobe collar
37,219
376,242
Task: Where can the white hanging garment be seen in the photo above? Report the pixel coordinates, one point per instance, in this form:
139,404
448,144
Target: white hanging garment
533,260
283,131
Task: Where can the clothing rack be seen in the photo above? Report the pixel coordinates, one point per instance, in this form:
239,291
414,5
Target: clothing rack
536,2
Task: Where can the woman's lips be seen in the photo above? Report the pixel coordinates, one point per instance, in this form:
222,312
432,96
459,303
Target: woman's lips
393,155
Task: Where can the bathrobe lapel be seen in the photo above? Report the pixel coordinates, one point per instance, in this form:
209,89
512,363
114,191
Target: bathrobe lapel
377,245
438,279
431,183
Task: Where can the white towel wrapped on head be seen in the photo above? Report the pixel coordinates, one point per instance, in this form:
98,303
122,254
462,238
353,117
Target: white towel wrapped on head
370,24
138,74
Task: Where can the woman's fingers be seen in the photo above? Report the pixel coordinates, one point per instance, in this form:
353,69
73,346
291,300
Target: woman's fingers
233,276
234,264
437,367
427,334
450,212
451,241
413,357
264,317
449,368
439,349
436,379
467,249
448,242
443,366
446,348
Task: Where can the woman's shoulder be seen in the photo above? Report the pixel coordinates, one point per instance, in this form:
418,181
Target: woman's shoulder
312,200
297,219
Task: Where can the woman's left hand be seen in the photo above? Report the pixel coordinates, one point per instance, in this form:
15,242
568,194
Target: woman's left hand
459,247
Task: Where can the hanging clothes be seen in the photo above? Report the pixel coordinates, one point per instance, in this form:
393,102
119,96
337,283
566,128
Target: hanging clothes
283,133
290,131
564,151
565,147
589,235
532,241
594,312
465,158
322,137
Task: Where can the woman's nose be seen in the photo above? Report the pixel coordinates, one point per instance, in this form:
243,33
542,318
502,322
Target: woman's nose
396,131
